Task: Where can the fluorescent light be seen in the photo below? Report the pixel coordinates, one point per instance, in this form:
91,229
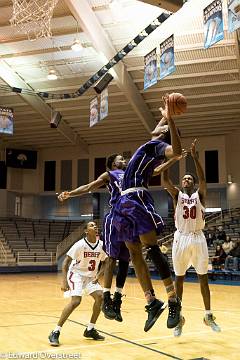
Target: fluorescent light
229,177
52,75
212,210
76,46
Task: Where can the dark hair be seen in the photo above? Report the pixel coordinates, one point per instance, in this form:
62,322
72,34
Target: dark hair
193,176
167,136
110,161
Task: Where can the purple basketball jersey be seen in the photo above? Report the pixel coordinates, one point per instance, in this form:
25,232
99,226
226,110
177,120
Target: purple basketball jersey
134,212
115,185
141,165
111,245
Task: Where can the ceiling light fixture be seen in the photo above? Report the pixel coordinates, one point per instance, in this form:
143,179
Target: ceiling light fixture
52,75
76,46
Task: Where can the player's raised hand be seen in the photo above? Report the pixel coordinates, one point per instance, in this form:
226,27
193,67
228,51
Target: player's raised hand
184,153
166,111
193,148
64,196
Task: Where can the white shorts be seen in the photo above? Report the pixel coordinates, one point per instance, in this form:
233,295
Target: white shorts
190,249
80,285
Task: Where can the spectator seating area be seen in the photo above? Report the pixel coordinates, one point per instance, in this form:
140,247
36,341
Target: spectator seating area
33,240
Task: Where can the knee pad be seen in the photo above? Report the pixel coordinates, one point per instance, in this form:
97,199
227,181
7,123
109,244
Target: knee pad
159,260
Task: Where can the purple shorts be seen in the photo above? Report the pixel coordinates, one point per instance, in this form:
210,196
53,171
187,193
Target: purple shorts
111,245
134,215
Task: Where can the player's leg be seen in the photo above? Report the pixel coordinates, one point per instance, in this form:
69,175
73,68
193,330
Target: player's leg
150,240
90,332
107,306
200,262
155,307
123,265
181,257
69,308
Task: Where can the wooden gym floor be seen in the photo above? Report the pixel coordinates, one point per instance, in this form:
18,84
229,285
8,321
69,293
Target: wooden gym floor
30,305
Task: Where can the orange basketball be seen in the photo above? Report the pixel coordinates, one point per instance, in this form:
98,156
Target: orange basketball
177,103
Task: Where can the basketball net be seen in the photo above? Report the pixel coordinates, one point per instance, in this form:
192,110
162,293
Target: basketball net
33,17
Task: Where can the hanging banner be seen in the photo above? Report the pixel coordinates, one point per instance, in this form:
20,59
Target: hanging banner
6,120
233,15
213,23
167,62
104,104
150,69
93,112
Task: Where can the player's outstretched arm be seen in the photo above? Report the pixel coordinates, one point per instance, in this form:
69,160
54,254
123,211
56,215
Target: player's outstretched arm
84,189
168,185
200,173
166,165
176,148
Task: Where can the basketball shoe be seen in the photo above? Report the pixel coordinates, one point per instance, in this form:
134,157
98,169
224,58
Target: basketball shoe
178,329
154,310
54,338
93,334
209,321
117,302
107,306
174,310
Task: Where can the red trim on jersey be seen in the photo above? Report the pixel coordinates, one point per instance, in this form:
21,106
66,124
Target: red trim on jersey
70,279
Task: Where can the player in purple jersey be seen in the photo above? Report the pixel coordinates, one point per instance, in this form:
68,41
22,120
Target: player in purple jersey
134,215
113,248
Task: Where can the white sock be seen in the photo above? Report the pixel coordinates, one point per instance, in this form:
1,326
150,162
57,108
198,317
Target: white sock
90,326
208,312
119,290
105,290
57,328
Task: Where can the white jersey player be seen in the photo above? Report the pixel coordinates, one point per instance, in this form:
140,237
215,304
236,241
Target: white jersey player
80,274
189,245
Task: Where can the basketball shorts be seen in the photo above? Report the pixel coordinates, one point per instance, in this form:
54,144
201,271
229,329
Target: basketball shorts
111,245
134,215
80,285
189,250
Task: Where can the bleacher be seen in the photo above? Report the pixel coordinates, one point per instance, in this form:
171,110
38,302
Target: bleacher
35,240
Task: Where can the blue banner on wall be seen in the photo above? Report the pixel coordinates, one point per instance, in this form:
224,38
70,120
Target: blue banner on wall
104,104
167,61
213,23
150,69
233,15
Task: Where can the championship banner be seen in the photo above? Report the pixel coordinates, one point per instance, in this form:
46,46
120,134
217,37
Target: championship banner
150,69
233,15
104,104
213,23
93,112
167,62
6,121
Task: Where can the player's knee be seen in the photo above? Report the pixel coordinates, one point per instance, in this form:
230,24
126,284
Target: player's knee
159,260
99,298
75,302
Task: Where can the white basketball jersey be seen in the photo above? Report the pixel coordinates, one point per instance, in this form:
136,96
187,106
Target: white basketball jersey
86,257
189,213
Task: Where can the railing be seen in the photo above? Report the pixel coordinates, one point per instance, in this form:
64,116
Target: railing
3,253
32,258
64,245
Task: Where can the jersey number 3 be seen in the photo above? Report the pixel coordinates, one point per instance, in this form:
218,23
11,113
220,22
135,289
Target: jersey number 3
189,212
92,265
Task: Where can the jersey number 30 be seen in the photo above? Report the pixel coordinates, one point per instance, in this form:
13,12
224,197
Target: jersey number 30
189,212
92,265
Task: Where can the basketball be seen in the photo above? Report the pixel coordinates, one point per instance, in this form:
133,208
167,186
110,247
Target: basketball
177,103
